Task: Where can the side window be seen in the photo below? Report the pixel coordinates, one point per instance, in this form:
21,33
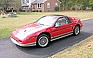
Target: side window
27,1
69,21
61,21
48,5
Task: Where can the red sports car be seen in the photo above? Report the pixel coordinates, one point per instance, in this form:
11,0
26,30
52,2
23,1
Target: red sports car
46,29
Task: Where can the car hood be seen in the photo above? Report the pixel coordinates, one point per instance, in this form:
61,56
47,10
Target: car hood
23,32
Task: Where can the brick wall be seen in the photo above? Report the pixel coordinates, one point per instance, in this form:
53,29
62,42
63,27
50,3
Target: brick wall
52,5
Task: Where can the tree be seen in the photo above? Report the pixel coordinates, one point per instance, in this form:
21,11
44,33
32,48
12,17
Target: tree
6,3
91,4
63,4
76,4
70,4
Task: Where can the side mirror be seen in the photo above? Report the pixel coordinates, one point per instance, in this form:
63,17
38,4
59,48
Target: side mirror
56,25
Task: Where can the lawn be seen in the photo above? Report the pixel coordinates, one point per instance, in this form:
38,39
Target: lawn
7,25
83,49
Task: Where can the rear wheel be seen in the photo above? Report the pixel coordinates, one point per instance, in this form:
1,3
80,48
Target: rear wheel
76,30
43,40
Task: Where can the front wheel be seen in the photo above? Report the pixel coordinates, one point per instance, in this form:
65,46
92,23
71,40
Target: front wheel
76,30
42,40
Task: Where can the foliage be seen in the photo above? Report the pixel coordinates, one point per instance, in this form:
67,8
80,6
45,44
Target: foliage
76,4
92,7
56,8
14,3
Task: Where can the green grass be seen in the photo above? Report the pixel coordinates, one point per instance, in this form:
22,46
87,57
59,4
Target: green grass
80,14
7,25
83,49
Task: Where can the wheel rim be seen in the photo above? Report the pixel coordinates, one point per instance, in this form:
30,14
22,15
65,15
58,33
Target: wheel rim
77,30
43,41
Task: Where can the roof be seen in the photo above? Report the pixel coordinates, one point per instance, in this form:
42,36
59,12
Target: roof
1,7
39,1
55,15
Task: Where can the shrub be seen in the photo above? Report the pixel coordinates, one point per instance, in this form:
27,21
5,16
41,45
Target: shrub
56,8
40,11
83,7
36,10
92,7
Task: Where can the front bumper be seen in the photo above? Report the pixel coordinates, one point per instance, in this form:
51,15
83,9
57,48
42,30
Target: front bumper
23,45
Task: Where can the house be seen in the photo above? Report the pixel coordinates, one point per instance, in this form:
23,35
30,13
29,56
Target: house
26,4
40,5
1,9
15,6
45,5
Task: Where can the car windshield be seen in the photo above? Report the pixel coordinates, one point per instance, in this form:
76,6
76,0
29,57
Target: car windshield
46,20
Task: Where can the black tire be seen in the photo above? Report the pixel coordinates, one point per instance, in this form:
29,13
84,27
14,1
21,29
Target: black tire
43,41
76,30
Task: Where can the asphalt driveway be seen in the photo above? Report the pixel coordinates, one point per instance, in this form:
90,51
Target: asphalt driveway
9,50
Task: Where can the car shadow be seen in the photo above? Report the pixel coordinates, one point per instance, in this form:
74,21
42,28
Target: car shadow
56,46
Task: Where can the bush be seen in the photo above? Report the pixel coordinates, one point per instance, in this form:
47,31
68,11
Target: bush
56,8
36,10
92,7
83,7
40,11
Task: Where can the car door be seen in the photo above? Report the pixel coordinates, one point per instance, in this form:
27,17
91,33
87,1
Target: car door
62,26
67,26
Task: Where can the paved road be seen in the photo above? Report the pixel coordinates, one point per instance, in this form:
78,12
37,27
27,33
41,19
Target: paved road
9,50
